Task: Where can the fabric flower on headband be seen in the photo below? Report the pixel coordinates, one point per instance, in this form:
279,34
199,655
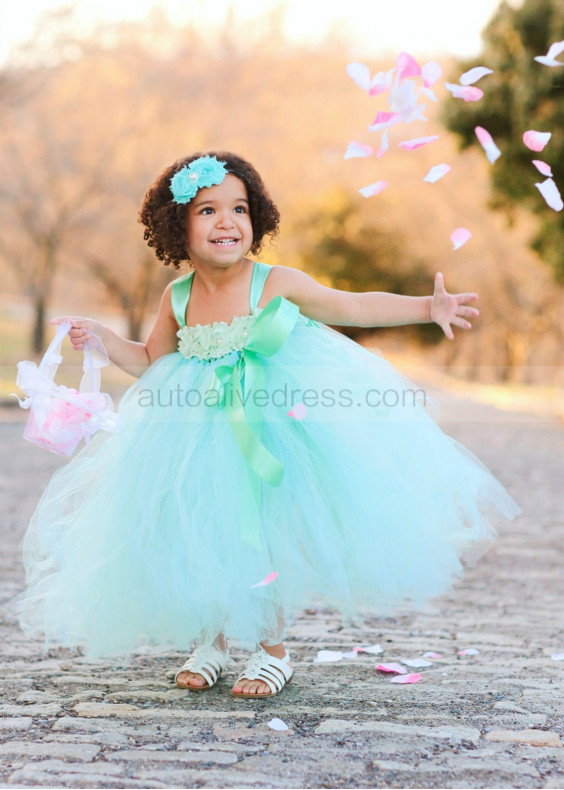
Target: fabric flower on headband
206,171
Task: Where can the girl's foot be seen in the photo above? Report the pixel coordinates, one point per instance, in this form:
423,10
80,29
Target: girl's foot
258,687
186,678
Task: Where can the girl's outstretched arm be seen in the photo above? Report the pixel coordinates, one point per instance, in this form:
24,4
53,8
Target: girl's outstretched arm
373,308
129,355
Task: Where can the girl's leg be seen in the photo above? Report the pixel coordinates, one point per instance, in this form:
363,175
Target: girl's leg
187,678
277,650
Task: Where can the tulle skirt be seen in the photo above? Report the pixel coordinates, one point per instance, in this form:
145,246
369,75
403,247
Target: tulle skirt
142,538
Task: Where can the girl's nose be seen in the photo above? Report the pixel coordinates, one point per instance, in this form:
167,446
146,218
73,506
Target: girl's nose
225,220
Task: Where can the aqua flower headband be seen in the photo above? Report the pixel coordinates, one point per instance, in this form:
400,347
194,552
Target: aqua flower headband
206,171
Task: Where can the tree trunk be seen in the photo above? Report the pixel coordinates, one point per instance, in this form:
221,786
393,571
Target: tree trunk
38,331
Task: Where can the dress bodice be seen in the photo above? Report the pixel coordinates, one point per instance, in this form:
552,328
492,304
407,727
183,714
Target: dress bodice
211,341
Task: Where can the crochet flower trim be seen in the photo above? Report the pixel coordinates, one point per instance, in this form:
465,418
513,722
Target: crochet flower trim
206,171
211,341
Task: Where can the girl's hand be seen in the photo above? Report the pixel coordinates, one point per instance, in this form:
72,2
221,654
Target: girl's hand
447,309
82,329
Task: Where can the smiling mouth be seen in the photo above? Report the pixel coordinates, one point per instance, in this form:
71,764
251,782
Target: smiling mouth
225,242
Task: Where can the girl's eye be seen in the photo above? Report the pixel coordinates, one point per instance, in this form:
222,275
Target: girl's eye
241,209
207,208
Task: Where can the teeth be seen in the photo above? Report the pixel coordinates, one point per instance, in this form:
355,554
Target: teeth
225,242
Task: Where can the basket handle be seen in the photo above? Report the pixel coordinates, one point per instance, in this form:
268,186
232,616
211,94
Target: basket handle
95,357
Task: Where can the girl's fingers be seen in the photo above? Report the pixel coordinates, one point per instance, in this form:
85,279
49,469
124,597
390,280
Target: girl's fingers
465,297
461,323
469,311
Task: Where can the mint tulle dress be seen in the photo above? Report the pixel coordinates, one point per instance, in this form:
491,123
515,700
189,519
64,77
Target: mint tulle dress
271,444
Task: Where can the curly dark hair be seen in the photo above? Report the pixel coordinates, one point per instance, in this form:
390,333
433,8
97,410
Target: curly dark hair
165,221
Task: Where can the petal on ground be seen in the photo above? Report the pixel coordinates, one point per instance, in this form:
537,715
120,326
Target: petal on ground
392,667
459,237
436,173
536,141
325,656
470,651
487,142
414,677
475,74
551,194
417,662
372,649
277,724
373,189
355,149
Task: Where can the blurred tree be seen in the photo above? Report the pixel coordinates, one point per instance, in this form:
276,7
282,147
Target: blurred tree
521,94
342,250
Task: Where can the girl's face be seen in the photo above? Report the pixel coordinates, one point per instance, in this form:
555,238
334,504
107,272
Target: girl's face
219,224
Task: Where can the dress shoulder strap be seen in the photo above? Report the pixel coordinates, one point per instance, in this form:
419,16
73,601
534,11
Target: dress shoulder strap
260,273
180,293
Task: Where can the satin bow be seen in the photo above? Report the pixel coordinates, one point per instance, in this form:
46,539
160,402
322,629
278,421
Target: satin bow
268,333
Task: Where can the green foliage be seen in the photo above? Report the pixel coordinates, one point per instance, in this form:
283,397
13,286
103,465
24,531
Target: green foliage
340,249
521,94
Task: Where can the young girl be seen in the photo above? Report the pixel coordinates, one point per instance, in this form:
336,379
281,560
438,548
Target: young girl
258,445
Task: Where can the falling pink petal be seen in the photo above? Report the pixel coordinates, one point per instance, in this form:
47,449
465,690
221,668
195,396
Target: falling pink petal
486,141
466,92
267,580
431,654
543,167
550,58
373,189
373,649
417,662
472,76
358,149
360,74
550,193
298,412
414,677
536,141
459,237
407,66
384,145
431,72
383,117
471,651
394,667
417,142
381,82
436,173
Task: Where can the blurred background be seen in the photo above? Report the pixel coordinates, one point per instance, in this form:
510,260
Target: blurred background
97,98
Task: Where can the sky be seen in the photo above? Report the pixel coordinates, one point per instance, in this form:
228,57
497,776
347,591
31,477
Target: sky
375,27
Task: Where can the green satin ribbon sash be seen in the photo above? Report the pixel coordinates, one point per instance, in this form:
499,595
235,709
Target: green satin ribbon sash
268,333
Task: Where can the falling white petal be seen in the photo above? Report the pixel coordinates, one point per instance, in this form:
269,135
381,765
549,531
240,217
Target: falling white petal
550,58
417,142
486,141
431,73
429,93
536,141
360,74
472,76
358,150
543,167
373,189
384,145
551,194
436,173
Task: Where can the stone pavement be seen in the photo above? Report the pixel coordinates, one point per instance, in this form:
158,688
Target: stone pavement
495,719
